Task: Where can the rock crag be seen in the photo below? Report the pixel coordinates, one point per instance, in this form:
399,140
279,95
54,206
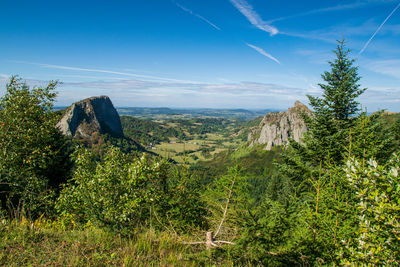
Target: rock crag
278,127
94,114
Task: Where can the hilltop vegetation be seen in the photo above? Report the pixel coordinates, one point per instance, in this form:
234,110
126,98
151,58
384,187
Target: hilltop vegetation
332,199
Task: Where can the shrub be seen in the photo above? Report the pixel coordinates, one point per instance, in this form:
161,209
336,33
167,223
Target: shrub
377,190
34,155
121,193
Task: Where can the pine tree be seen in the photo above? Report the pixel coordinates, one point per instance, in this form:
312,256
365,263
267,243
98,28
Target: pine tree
333,116
334,111
314,168
342,87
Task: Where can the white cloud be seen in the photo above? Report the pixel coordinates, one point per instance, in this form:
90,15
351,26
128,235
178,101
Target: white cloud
217,95
389,67
247,10
378,98
234,89
263,52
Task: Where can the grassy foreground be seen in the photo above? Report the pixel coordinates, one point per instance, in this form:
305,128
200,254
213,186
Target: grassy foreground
46,243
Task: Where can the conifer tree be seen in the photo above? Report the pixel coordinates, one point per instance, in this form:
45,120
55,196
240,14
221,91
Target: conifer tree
341,88
333,115
314,168
334,111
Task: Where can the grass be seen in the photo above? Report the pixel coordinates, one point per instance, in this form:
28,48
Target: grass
215,142
46,243
177,147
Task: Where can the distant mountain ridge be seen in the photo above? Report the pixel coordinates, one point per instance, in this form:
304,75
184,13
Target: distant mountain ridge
145,112
277,128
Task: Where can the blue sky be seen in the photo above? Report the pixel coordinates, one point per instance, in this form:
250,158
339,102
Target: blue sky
208,53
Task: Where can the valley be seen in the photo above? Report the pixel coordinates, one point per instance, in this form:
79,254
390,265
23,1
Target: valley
190,137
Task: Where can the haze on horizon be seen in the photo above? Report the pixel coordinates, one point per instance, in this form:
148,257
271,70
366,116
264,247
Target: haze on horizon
250,54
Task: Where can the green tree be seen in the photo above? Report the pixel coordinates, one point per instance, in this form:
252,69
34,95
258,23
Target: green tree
311,170
34,155
329,126
228,198
334,111
341,88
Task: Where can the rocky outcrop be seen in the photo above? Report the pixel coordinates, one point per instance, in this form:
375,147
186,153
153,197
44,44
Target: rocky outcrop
278,127
92,115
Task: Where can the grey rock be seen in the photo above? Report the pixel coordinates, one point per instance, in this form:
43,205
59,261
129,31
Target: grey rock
278,127
94,114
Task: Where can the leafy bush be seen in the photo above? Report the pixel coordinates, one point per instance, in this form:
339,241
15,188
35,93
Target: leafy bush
377,188
122,193
116,192
34,155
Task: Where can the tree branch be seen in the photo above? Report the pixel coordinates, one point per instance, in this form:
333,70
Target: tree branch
226,208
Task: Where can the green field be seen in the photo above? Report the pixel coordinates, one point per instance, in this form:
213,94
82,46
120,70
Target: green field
185,140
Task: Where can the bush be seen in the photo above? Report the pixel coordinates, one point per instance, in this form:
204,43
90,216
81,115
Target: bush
116,192
377,189
34,155
122,193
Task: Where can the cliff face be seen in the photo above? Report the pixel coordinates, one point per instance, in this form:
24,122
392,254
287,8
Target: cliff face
94,114
277,128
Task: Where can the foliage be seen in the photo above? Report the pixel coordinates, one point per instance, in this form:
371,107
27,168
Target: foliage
312,187
121,193
334,127
244,130
370,137
332,115
377,189
34,155
342,87
391,124
146,131
265,236
227,198
117,193
182,207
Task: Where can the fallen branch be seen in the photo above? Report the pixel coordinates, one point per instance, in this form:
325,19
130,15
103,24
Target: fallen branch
209,241
224,242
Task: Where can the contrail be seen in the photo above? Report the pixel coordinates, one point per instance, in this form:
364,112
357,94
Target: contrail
263,52
379,28
196,15
50,66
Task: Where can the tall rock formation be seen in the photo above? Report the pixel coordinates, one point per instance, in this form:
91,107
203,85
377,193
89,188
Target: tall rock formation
94,114
278,127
